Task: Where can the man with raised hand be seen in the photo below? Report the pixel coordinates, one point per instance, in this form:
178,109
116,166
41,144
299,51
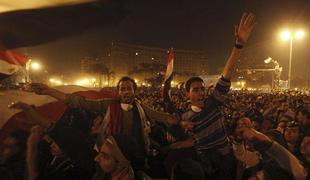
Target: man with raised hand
207,134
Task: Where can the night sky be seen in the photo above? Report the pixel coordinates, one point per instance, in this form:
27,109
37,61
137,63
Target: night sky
190,24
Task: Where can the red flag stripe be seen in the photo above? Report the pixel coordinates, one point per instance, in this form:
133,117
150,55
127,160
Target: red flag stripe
13,57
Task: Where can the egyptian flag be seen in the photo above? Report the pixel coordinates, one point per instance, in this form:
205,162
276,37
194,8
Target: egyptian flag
14,120
33,22
169,107
10,63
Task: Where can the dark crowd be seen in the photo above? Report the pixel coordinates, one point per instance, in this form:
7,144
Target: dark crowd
198,133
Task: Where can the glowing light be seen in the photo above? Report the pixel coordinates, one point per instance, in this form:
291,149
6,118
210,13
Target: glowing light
83,82
285,35
35,66
300,34
268,60
52,80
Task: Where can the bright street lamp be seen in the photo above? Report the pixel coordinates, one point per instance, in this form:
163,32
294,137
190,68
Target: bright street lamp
289,35
35,66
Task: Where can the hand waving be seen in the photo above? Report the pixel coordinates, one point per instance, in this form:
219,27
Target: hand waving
245,27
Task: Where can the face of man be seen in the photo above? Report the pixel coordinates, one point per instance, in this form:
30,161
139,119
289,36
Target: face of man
8,149
305,146
284,106
302,119
126,92
196,94
291,134
281,126
105,160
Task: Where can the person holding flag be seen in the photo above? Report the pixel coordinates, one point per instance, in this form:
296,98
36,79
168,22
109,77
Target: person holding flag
124,115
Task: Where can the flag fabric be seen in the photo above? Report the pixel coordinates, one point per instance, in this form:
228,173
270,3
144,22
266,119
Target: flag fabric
49,108
10,63
169,107
170,64
40,22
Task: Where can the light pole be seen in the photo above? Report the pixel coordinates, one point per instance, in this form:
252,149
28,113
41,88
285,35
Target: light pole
31,65
276,71
289,35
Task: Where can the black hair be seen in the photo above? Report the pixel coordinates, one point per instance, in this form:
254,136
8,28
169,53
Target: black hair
304,111
254,115
190,81
126,78
287,117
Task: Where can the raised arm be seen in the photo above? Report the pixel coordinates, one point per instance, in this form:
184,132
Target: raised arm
282,156
72,100
242,33
35,137
42,89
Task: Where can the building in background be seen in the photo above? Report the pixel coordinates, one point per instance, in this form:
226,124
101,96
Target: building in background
143,62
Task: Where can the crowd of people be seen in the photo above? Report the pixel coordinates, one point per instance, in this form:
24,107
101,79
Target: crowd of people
208,134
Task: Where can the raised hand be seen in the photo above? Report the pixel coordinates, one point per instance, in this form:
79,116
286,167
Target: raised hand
245,27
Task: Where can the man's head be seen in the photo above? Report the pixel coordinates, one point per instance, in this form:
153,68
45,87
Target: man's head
292,132
106,160
195,91
305,146
303,116
284,105
115,153
13,145
126,88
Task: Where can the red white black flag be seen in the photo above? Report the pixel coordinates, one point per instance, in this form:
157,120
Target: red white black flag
11,62
169,107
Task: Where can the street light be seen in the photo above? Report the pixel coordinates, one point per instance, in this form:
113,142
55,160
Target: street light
289,35
35,66
277,70
31,65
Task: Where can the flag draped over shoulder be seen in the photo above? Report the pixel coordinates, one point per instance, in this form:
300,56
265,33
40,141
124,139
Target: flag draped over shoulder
41,22
10,63
52,110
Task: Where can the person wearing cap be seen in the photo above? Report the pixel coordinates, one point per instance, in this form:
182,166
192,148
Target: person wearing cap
293,135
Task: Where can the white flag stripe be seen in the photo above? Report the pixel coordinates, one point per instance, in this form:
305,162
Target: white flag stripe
7,68
9,96
169,70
